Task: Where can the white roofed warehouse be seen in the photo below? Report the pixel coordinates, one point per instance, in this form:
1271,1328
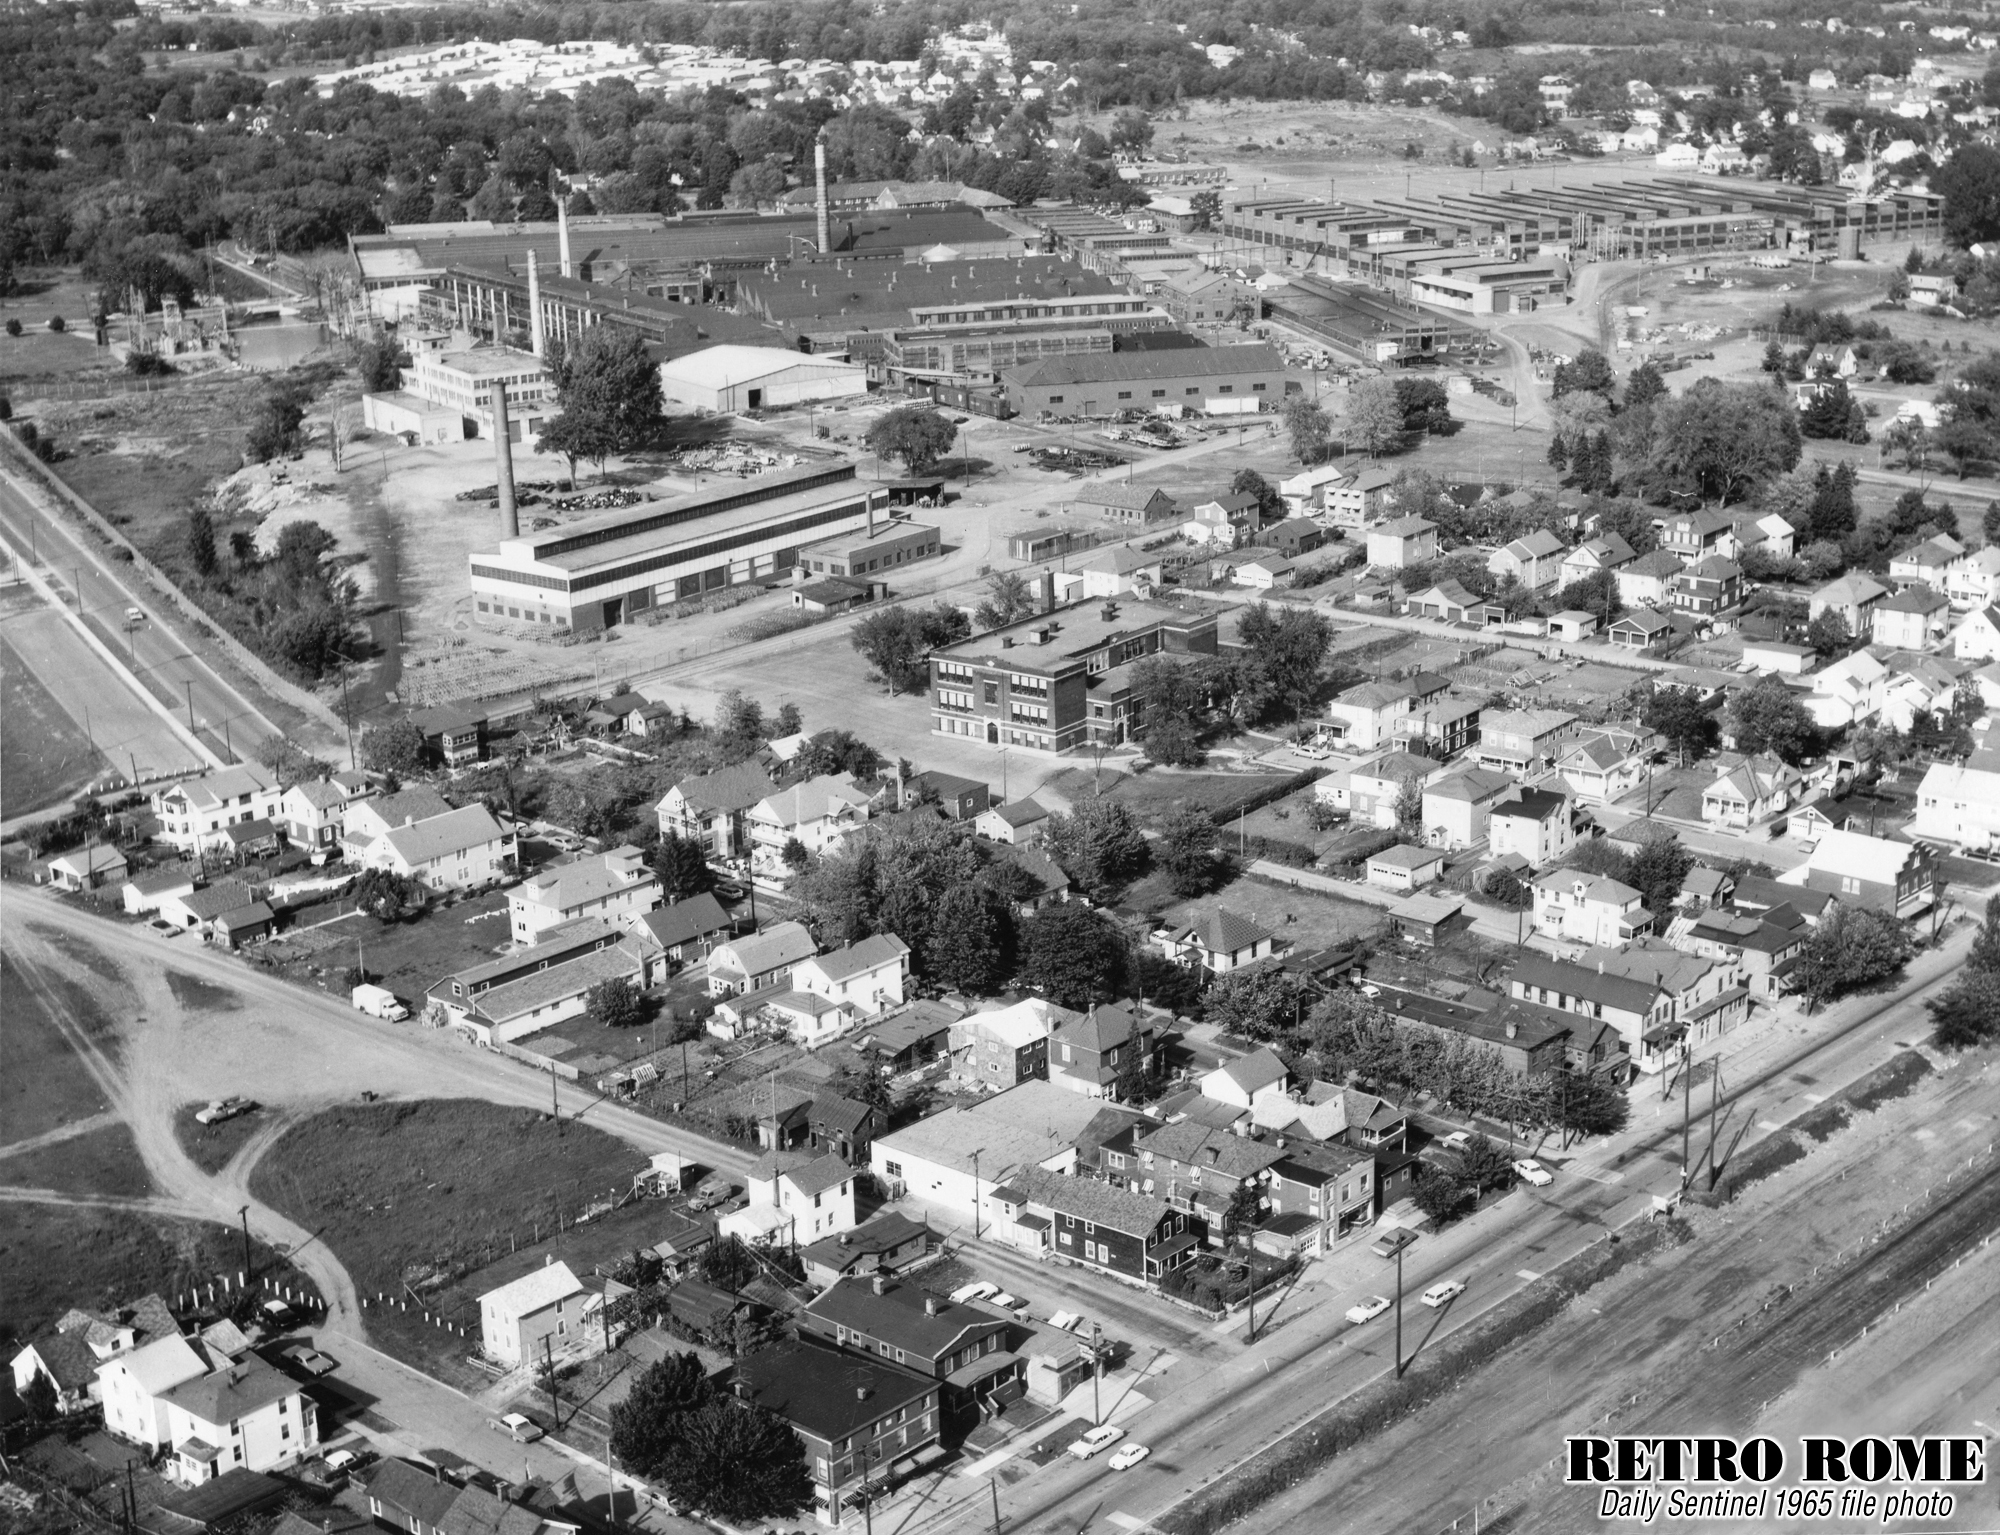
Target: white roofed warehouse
722,379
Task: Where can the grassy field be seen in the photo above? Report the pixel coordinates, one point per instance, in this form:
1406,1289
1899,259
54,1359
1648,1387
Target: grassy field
44,1085
210,1147
1304,918
423,1193
103,1161
1151,795
406,957
55,1257
44,757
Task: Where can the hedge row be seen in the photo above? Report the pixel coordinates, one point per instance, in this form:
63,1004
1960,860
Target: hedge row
1306,1451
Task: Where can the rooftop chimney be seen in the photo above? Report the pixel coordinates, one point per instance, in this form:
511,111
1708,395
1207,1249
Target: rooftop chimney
930,1305
819,180
881,1284
860,1393
1513,1028
562,235
540,341
503,464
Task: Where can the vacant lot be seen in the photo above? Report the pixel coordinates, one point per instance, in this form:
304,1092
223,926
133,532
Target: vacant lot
1152,795
1304,918
420,1194
406,957
44,758
44,1085
55,1257
101,1161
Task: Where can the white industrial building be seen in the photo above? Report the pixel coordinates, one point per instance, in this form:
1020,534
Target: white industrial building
721,379
449,396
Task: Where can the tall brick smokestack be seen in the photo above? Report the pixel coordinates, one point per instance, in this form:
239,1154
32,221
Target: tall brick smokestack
503,464
562,235
535,308
819,178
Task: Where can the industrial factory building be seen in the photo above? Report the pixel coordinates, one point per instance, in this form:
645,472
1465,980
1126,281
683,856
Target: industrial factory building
721,379
1215,380
449,397
601,571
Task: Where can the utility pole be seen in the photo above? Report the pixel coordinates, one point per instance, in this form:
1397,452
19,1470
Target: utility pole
555,1104
975,1196
993,1486
1253,1293
1096,1373
244,1216
1687,1105
1399,1312
1714,1103
188,685
549,1364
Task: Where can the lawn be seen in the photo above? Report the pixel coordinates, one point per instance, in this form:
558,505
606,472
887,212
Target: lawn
1151,795
54,1257
44,1085
103,1161
44,757
421,1194
594,1047
210,1147
406,957
1305,918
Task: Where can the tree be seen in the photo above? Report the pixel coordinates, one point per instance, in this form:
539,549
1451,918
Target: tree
1719,441
1590,373
1375,416
916,434
1206,208
1410,808
1770,717
1307,426
1850,947
836,751
1131,131
1968,1014
1073,955
288,763
608,397
1645,385
1558,456
1833,511
1009,599
615,1003
1587,1103
1828,415
1966,443
1156,979
967,951
1485,1165
275,430
737,1462
1270,505
1187,851
1657,871
1425,405
682,865
396,747
1283,650
1985,953
381,367
1680,718
1242,1213
41,1398
1098,844
1774,359
794,855
898,641
1829,635
388,896
1440,1196
201,541
1260,1002
1969,182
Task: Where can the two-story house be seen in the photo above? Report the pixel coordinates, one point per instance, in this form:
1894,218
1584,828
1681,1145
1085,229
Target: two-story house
1093,1052
793,1199
1007,1045
1539,825
1318,1193
1135,1235
1751,790
1916,618
817,813
1217,943
857,1417
1958,807
1973,580
1457,805
194,814
1604,765
616,884
1402,542
1259,1078
1640,1013
864,978
313,814
1647,581
1534,560
1706,996
686,930
713,809
1576,907
459,850
1854,597
1851,690
1445,726
1691,537
1926,564
1708,587
1522,741
844,1127
1610,552
1895,878
962,1347
1361,499
545,1303
1363,717
1764,946
1201,1169
1976,637
1375,789
206,1412
758,960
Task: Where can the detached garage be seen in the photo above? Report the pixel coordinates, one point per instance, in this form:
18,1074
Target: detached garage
721,379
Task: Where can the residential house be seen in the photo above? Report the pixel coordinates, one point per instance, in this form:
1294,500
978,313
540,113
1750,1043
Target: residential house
819,814
1318,1193
1521,741
1763,946
146,892
1750,791
367,820
1853,596
1833,361
1539,825
1640,1013
1294,537
313,814
454,734
714,809
1140,505
1248,1081
1691,537
1401,543
533,988
1610,552
1375,789
1446,726
1768,656
86,868
1927,564
1851,690
1535,561
1228,519
1045,883
1917,684
193,909
1005,1046
1647,581
131,1385
615,884
1973,581
954,1161
1137,1236
687,930
1094,1052
1706,996
864,978
1896,878
69,1355
843,1127
1450,603
957,799
963,1347
1977,636
1217,943
1760,896
1576,907
758,960
1958,807
1364,716
459,850
1305,492
858,1418
1117,571
1201,1169
1403,868
792,1198
1265,574
1456,806
423,1500
1523,1039
193,813
205,1412
1916,618
1640,629
1708,587
1360,499
549,1302
885,1245
1019,823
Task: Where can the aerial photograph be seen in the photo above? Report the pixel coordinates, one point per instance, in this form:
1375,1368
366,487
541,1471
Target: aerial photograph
1111,767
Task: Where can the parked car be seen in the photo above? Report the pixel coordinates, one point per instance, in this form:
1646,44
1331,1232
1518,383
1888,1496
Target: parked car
979,1289
1002,1300
1100,1438
1531,1171
1367,1310
1444,1290
1129,1457
520,1429
1458,1140
219,1109
1392,1241
134,616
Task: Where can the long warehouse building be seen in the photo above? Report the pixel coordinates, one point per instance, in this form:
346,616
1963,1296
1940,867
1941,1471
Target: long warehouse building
594,574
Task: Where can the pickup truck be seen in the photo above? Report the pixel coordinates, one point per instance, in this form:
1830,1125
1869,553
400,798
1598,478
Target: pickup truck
219,1109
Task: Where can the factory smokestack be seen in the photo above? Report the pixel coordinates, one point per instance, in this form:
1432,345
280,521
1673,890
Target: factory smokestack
819,178
535,308
503,463
562,235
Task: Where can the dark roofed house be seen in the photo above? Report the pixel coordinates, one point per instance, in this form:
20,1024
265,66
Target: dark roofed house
964,1347
844,1127
688,928
886,1244
1200,1169
961,799
1220,942
713,809
1140,1236
1090,1053
860,1418
406,1497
